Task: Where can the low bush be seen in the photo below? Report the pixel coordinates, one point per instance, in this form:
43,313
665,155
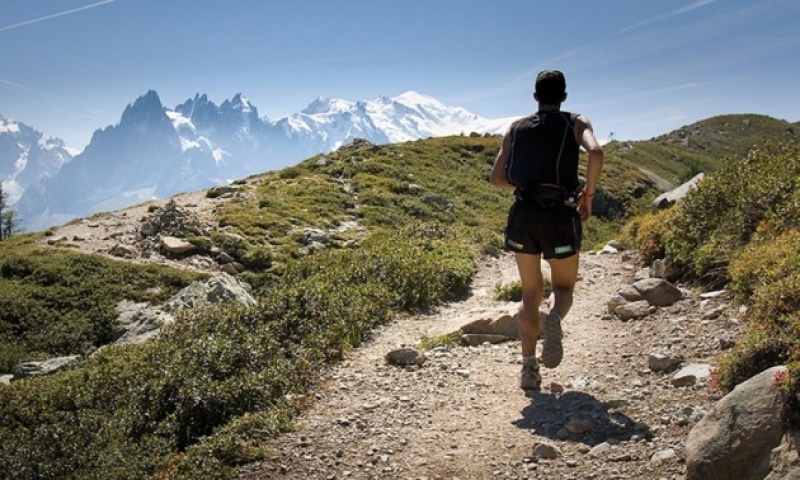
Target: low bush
724,213
648,234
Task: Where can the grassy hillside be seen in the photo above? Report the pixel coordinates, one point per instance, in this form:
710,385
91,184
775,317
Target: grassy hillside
703,146
335,246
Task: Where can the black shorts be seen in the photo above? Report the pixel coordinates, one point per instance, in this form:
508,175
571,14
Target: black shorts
543,227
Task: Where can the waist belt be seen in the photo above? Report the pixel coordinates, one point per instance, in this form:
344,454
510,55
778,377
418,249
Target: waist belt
550,194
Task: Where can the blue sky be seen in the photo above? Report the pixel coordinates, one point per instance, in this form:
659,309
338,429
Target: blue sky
635,68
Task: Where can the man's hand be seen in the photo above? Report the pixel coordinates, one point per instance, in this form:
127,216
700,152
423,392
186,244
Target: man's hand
584,206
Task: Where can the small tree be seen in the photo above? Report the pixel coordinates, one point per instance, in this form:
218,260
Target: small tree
8,217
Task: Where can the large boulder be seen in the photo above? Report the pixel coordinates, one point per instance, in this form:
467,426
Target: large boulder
668,199
736,438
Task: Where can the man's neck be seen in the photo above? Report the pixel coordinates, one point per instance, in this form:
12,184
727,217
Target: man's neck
549,107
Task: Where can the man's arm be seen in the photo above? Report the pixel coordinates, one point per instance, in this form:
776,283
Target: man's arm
499,177
589,142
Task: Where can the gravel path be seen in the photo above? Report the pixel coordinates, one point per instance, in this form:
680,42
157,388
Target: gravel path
601,414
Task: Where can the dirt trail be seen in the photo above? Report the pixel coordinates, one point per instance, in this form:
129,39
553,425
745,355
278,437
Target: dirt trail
601,413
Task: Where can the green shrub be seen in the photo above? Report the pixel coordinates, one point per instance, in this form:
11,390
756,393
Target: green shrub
763,263
648,234
200,401
722,215
509,292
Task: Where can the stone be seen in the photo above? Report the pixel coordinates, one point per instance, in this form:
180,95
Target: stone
691,374
662,362
600,450
492,323
713,313
223,258
545,450
736,438
634,310
668,199
658,292
663,455
614,302
140,323
148,229
123,251
785,462
177,246
233,268
630,294
47,367
217,289
406,356
664,268
726,342
139,326
608,250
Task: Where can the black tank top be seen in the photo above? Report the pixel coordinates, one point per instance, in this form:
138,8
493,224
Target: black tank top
544,150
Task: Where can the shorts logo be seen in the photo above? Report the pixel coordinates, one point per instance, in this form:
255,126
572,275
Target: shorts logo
513,244
563,249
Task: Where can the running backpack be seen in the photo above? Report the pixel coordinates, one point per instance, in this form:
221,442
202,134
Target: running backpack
544,150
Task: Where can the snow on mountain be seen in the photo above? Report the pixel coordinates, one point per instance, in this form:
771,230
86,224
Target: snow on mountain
27,157
323,105
155,152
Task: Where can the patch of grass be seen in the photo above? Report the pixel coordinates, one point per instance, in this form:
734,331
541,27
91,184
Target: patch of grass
438,341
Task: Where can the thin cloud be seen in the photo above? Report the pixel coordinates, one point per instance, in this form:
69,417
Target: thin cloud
16,86
56,15
674,13
630,96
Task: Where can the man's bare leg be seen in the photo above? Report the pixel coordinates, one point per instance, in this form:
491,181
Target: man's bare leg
530,274
563,275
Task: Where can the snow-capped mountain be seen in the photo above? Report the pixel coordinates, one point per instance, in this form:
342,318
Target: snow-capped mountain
155,152
27,157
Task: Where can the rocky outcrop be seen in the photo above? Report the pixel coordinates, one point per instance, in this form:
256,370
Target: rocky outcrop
47,367
139,323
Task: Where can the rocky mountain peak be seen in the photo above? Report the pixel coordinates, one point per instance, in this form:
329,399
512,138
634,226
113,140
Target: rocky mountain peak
146,111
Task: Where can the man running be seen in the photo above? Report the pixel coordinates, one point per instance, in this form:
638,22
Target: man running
539,160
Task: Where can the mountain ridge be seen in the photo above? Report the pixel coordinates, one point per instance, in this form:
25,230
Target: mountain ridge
155,151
